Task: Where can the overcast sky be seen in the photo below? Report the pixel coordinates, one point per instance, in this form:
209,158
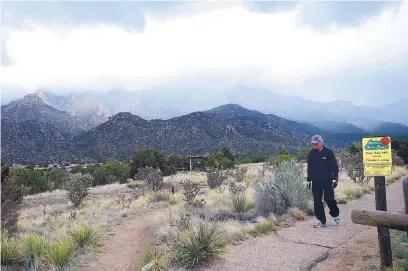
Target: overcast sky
355,51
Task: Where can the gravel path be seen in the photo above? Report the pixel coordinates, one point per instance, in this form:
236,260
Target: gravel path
302,246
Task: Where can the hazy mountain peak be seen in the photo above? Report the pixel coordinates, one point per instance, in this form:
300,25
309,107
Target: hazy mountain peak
40,94
126,116
29,99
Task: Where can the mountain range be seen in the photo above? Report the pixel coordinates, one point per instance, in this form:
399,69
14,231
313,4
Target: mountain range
47,128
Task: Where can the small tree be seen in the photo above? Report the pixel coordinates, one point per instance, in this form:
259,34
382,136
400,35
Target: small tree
396,160
239,174
258,158
191,190
302,156
11,198
283,156
215,177
152,177
352,162
355,147
78,187
147,158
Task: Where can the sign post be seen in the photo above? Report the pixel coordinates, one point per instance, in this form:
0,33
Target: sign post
377,159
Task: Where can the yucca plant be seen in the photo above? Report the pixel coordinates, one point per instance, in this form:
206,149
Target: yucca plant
85,235
61,253
155,260
198,245
264,227
157,196
240,203
34,246
10,249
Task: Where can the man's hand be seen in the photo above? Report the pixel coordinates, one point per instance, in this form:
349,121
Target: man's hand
335,182
308,184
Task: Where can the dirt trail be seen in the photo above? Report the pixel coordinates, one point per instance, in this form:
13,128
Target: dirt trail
358,253
125,248
301,247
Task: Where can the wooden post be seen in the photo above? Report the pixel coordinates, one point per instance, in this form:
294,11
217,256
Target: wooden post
383,232
191,164
405,191
388,220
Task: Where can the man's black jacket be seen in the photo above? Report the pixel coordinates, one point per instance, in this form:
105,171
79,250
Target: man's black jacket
322,166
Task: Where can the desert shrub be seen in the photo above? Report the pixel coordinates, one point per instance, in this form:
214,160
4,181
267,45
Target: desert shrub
77,187
257,158
240,203
215,177
302,156
11,198
286,191
157,196
39,180
10,249
268,166
183,221
341,155
213,215
283,156
352,162
396,160
265,226
223,159
355,147
297,213
34,247
61,253
139,188
150,158
85,235
401,148
198,245
178,161
268,198
310,208
155,260
191,190
236,188
353,193
118,170
239,174
289,181
152,177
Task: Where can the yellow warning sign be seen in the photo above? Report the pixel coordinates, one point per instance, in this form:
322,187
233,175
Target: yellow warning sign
377,156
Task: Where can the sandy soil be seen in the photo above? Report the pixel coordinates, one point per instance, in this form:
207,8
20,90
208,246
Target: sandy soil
358,253
123,250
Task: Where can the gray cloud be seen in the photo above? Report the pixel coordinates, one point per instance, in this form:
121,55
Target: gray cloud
269,47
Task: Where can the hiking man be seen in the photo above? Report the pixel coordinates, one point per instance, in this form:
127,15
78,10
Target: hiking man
322,177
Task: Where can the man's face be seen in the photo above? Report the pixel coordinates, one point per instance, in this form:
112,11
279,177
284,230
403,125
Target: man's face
318,145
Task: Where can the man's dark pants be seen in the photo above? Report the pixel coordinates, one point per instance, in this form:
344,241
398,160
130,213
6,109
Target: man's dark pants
318,189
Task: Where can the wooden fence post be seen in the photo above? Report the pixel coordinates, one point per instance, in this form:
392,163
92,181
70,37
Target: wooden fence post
405,191
383,232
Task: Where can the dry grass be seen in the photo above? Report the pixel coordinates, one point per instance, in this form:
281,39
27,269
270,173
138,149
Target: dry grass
397,173
103,210
347,190
52,216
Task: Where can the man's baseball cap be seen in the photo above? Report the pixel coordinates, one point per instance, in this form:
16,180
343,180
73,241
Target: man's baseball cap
316,138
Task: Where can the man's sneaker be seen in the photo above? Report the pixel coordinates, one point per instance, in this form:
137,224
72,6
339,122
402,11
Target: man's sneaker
319,225
337,220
